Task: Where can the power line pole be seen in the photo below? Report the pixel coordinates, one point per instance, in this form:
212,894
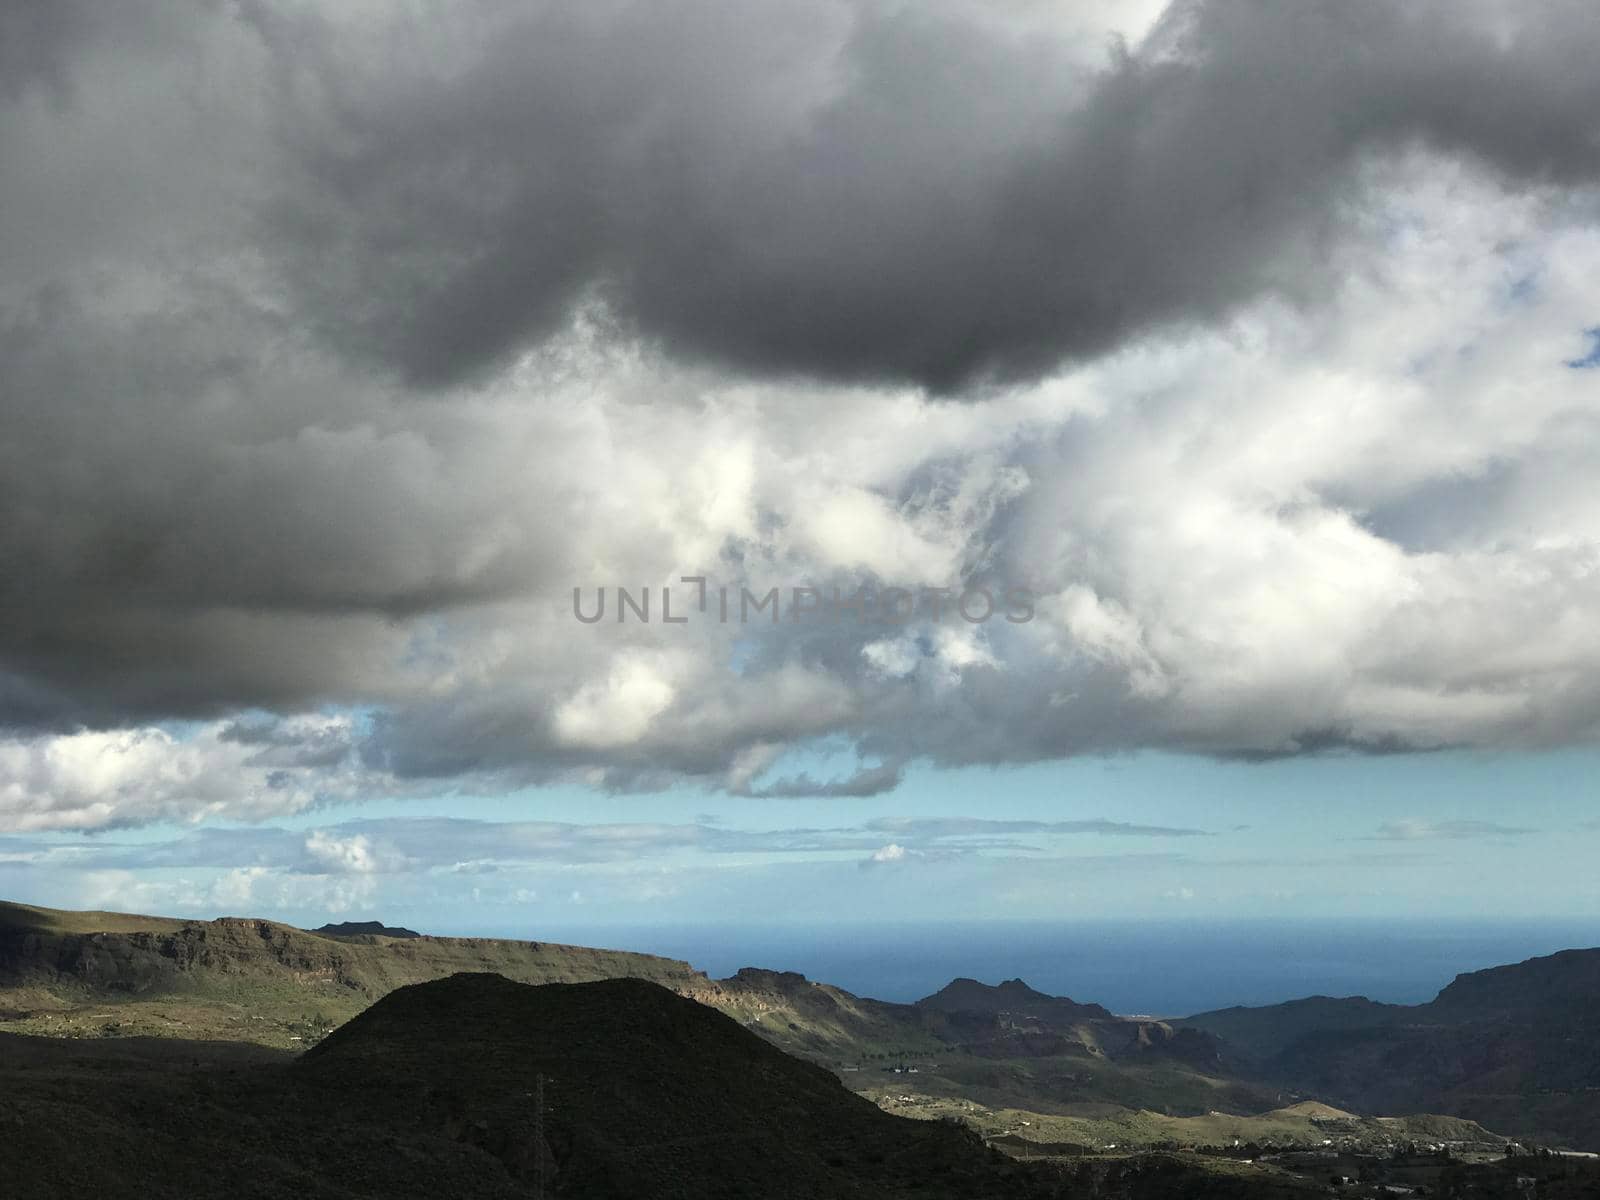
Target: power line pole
538,1136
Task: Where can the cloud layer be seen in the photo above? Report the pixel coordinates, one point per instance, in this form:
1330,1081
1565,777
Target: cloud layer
338,345
878,191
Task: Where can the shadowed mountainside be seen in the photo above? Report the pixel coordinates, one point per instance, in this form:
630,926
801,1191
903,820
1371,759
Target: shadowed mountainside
1252,1036
647,1093
1516,1048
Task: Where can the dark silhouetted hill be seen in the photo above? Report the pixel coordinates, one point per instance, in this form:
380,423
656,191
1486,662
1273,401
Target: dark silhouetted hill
647,1094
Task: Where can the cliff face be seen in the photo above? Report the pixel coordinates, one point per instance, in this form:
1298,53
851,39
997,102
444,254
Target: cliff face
141,962
231,953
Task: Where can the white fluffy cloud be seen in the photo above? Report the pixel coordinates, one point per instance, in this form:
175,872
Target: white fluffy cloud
99,779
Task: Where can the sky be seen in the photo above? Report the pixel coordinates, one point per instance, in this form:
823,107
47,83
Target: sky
1197,402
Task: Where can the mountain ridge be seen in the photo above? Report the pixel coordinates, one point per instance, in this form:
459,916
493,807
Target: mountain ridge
261,981
1006,1046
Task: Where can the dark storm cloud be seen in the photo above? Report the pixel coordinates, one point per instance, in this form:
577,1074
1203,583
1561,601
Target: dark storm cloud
881,192
33,34
199,515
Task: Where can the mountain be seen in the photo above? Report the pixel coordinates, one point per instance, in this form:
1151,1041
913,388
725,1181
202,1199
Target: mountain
1554,985
356,929
1012,996
647,1094
1251,1036
1011,1019
260,981
1516,1048
1006,1046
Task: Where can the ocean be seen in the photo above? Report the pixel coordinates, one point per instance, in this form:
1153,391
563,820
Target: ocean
1134,967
